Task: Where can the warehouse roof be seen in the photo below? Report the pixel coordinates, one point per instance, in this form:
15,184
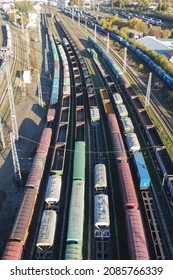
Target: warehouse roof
154,44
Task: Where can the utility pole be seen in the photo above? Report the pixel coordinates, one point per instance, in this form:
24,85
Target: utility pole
46,61
78,19
107,45
27,47
22,23
11,100
147,98
95,34
2,134
40,96
125,60
47,44
14,16
39,28
17,172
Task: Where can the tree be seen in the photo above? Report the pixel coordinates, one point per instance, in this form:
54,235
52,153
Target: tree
141,67
143,4
24,6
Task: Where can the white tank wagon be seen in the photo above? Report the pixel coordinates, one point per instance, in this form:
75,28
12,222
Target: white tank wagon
117,98
46,234
53,191
95,115
132,142
123,113
100,179
101,216
127,125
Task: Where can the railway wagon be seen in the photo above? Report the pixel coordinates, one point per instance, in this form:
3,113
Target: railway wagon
13,251
113,123
101,216
127,125
46,235
126,186
136,237
45,141
100,178
74,241
95,115
117,98
142,171
36,171
132,142
116,139
51,115
112,65
79,161
19,233
53,190
122,110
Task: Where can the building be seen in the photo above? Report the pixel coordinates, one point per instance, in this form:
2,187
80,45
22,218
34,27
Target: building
160,46
135,34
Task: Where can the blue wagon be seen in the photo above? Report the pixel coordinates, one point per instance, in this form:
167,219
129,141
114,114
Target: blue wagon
142,171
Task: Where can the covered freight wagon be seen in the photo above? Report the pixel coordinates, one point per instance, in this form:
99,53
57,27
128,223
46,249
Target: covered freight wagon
127,125
117,98
76,215
123,113
101,216
135,235
95,115
132,142
47,230
79,161
126,186
53,189
142,171
100,179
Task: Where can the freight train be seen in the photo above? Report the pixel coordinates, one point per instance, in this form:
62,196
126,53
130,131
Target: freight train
74,240
168,79
164,161
17,240
47,229
18,237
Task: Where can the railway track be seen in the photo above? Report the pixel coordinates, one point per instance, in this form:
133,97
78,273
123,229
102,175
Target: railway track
17,62
158,109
